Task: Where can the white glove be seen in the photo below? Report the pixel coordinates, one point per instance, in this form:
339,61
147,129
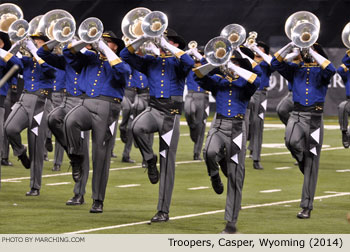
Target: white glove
203,70
3,53
282,53
267,58
77,45
135,44
245,74
111,56
322,61
30,46
173,49
290,56
151,48
15,47
195,53
51,44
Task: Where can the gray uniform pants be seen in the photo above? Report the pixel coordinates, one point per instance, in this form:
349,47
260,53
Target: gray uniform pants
227,138
343,114
168,126
99,116
56,123
304,138
285,107
195,108
127,118
29,112
57,99
256,123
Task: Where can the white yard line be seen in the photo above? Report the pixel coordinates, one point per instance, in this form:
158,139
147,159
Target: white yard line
271,191
198,188
346,170
283,168
61,183
204,213
125,186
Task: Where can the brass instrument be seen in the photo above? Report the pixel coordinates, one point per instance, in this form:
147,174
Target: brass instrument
154,24
131,24
90,30
302,28
192,44
235,33
9,13
251,39
18,30
345,35
218,51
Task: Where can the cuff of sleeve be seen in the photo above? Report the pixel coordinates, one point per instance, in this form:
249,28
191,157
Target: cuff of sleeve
325,64
8,57
254,64
131,49
40,61
278,57
252,78
179,54
348,52
198,73
71,49
46,48
115,62
344,67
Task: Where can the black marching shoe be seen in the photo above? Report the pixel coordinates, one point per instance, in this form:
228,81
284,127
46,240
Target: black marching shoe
217,184
257,165
197,156
33,192
76,163
230,228
56,167
78,199
345,139
127,160
6,162
304,214
97,207
48,145
24,160
152,170
160,217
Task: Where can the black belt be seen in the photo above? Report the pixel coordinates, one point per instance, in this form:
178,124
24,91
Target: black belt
317,107
142,91
41,92
63,90
104,98
131,89
166,105
193,91
238,116
347,97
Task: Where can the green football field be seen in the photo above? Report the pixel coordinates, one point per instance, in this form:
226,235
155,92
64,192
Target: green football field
270,196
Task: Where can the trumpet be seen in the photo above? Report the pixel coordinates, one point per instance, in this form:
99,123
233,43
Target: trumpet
302,28
192,44
9,13
235,33
251,38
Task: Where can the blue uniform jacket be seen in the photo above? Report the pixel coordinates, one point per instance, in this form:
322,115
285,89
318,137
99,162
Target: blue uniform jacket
344,73
37,75
232,95
309,81
265,75
137,80
192,84
98,76
5,66
166,75
60,81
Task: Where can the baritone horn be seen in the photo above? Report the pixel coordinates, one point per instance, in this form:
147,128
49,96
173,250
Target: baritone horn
235,33
18,30
49,20
218,51
302,28
345,35
131,24
9,13
90,30
154,24
64,29
33,24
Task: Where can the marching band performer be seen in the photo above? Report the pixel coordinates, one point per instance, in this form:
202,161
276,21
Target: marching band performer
29,112
196,107
166,76
104,76
304,132
258,103
71,98
227,136
344,107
